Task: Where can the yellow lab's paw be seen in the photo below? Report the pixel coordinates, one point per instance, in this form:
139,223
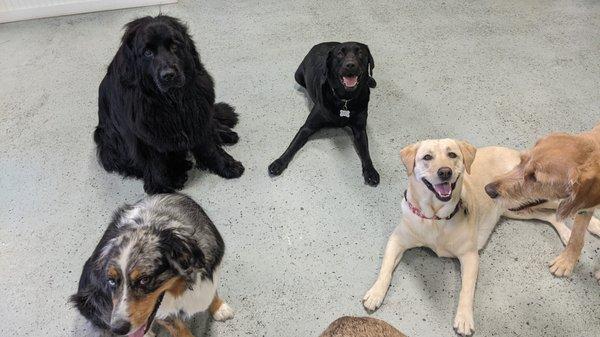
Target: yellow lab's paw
374,297
597,275
562,265
223,313
464,323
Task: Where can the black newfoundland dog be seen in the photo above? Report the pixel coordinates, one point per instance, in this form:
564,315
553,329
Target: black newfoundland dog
156,104
338,78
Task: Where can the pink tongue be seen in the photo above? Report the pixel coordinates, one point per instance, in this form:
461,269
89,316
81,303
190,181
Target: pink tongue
350,81
139,332
443,189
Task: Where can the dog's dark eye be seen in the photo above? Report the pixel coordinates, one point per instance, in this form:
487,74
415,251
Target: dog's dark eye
174,47
452,155
144,281
148,53
427,157
531,177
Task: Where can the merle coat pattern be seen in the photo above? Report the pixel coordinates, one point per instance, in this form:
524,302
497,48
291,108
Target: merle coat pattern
337,77
156,104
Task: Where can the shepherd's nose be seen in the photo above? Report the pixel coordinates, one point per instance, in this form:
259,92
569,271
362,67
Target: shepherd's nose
120,327
444,173
491,190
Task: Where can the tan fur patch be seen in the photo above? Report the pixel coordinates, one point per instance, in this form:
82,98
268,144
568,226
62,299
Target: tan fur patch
215,304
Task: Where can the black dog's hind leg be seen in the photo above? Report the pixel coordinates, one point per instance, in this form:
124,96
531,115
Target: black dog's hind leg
362,147
214,158
225,118
309,128
177,166
158,173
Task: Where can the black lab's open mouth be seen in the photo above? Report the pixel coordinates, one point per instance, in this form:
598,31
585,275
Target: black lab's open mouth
349,82
442,191
528,205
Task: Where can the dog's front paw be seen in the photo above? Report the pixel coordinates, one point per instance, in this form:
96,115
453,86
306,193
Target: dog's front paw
597,275
178,181
371,176
464,323
224,313
277,167
232,169
563,264
374,297
228,137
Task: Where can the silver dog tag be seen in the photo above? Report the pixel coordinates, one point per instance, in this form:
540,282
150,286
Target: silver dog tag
345,113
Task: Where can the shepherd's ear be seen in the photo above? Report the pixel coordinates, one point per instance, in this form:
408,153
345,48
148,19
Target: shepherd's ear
182,251
408,154
468,152
584,186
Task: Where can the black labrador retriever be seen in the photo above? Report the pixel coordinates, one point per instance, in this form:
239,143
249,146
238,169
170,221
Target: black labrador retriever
338,78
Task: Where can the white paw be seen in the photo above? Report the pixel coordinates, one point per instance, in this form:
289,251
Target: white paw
597,275
150,333
223,313
374,297
594,226
464,323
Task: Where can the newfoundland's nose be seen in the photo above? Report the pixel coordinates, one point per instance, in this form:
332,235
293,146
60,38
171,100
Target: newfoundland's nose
491,190
444,173
168,74
120,327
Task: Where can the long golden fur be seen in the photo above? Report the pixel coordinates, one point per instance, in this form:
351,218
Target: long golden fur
560,167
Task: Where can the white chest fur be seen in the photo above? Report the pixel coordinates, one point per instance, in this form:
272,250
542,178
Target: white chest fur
191,301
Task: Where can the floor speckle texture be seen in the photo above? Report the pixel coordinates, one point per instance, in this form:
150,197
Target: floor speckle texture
303,248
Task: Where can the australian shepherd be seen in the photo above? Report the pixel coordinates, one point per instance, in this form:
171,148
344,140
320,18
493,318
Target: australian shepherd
158,260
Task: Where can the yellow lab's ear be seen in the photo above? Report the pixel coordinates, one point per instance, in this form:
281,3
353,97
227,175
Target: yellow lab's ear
408,154
585,190
468,152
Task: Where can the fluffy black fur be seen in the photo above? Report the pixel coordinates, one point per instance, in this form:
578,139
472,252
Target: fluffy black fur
156,104
323,73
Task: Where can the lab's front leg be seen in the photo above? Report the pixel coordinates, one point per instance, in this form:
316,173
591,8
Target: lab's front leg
393,253
469,267
361,142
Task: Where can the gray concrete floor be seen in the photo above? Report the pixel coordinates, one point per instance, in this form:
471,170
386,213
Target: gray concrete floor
304,247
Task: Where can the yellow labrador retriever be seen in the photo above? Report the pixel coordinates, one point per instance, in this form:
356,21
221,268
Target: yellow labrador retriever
446,209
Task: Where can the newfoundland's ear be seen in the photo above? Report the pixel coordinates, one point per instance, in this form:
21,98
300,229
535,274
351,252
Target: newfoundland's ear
125,61
408,154
584,185
182,251
371,82
468,152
